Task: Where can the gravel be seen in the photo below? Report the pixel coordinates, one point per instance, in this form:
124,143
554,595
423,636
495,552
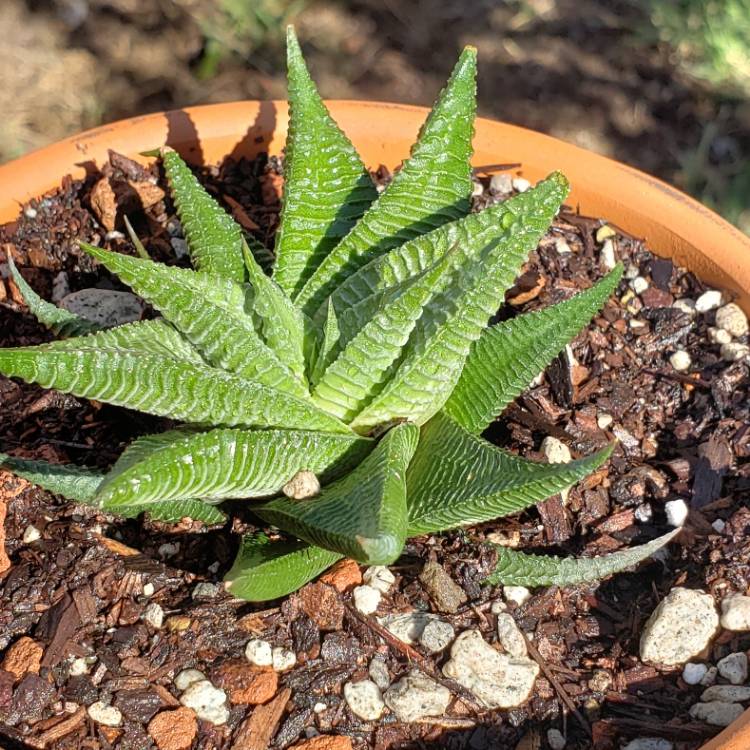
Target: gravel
717,713
437,636
692,673
679,628
709,300
416,696
188,677
259,652
379,577
732,319
101,713
735,613
733,667
364,699
208,702
366,599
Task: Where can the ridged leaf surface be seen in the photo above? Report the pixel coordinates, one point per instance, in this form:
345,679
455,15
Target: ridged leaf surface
509,355
326,186
214,313
432,187
59,321
454,319
359,371
80,485
362,515
222,463
521,569
458,479
324,353
265,569
161,385
214,239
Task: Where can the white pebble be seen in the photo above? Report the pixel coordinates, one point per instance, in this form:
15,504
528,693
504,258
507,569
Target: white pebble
518,595
639,285
379,577
726,693
318,708
407,626
416,696
79,667
208,702
555,739
366,599
631,272
31,534
108,716
521,184
693,673
644,513
734,351
717,713
680,627
719,336
303,485
555,451
477,189
437,636
718,526
501,183
604,420
677,512
283,659
685,305
607,256
735,613
649,743
709,300
153,615
732,319
733,667
30,212
364,699
114,235
259,652
148,589
188,677
680,360
562,246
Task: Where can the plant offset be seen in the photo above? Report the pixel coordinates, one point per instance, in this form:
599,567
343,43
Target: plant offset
349,388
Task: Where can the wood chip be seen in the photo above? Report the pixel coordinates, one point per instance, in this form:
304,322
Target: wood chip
257,731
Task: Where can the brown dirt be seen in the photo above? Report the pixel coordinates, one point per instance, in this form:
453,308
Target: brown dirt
79,590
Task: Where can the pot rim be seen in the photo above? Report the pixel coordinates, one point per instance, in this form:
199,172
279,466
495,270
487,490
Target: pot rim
673,224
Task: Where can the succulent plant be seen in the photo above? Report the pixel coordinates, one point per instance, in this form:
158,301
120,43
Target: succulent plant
363,363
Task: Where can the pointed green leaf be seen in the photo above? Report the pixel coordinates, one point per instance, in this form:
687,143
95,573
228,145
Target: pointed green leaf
81,485
72,482
147,336
282,324
59,321
520,569
262,255
453,320
508,356
432,188
214,313
459,479
325,353
161,385
266,570
222,463
360,370
214,239
362,515
326,186
139,248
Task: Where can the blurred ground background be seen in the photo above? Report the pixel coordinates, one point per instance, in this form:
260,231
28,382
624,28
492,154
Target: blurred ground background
661,84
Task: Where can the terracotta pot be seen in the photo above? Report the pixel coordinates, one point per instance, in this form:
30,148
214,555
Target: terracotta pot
672,224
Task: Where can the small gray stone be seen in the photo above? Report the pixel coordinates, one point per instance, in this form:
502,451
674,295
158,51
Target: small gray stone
407,626
416,696
364,699
497,680
692,674
437,636
510,635
379,673
555,739
303,485
649,743
501,183
717,713
734,351
735,613
442,589
60,286
710,677
153,615
205,590
726,694
733,668
679,628
104,307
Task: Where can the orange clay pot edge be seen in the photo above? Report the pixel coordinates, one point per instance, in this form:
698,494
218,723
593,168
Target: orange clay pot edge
674,225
